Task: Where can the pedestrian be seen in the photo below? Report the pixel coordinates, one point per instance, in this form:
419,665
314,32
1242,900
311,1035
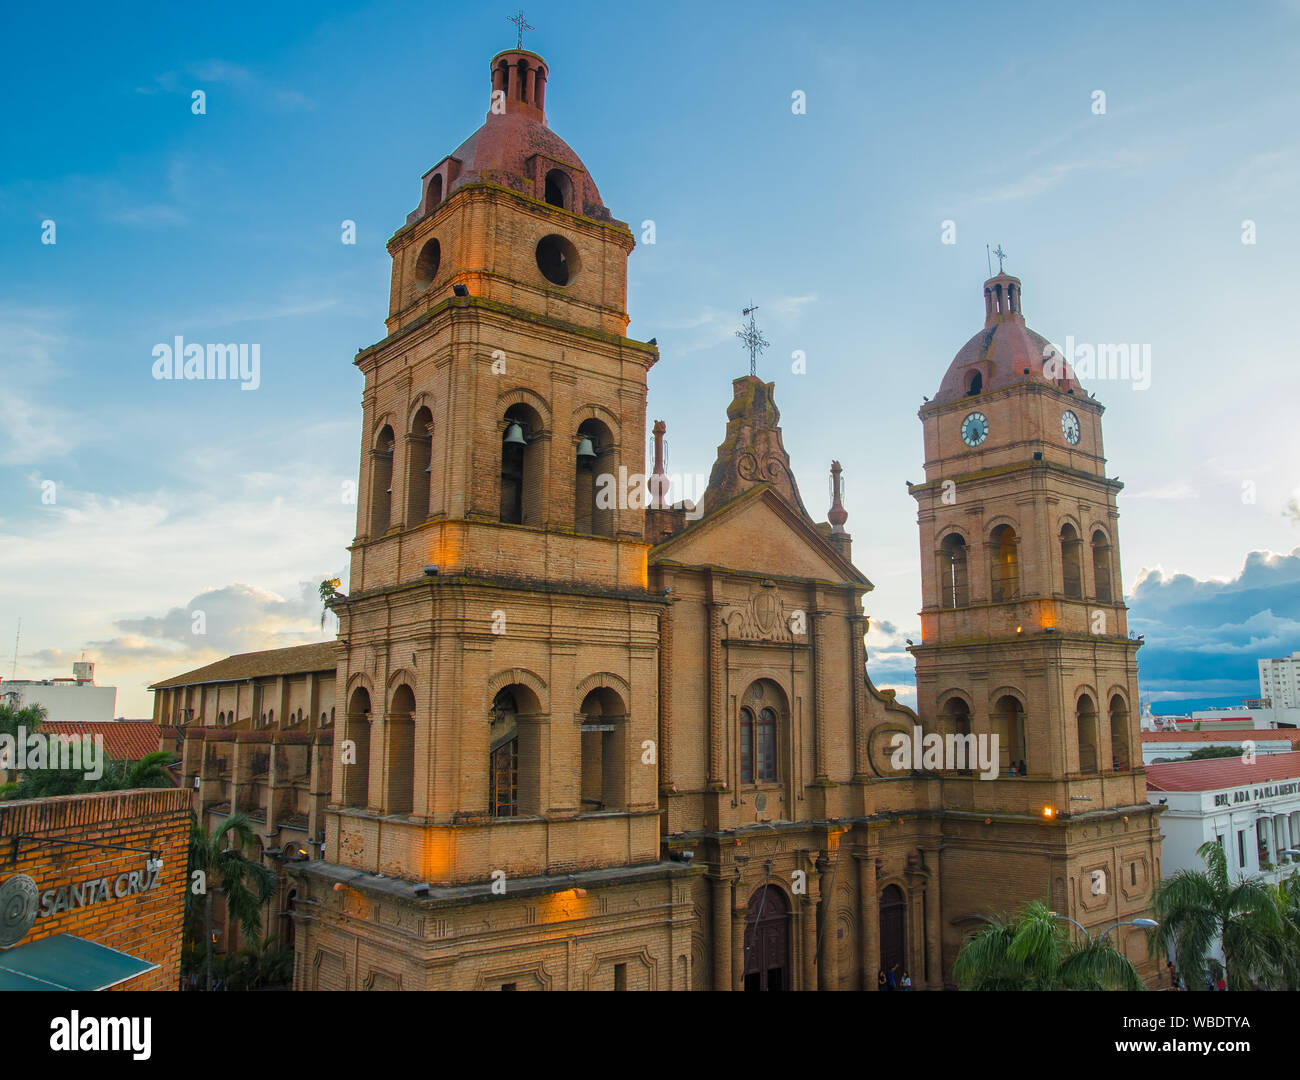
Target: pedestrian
907,981
1173,975
1181,985
1222,985
893,981
880,980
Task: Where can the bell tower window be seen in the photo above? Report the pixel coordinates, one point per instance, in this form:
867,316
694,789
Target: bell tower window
419,466
954,584
557,259
1071,563
1101,567
594,494
381,483
1005,565
427,263
559,189
521,467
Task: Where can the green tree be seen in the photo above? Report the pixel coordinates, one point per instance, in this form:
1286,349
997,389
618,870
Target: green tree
1033,951
1196,908
247,884
118,775
1203,752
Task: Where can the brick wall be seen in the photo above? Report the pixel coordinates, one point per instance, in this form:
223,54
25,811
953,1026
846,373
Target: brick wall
146,924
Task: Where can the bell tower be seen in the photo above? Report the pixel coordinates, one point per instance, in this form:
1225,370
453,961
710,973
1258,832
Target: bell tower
1024,636
498,616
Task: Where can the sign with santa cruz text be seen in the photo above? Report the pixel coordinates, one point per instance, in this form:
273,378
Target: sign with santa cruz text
97,891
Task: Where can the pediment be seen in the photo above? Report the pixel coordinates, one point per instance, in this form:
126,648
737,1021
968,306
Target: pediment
758,532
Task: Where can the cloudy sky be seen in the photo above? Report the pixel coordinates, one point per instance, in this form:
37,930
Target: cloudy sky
128,505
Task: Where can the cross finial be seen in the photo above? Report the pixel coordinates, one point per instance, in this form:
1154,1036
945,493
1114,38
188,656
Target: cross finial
1001,255
521,24
753,338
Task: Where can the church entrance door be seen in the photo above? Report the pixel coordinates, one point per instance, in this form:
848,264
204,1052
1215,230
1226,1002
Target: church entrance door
767,941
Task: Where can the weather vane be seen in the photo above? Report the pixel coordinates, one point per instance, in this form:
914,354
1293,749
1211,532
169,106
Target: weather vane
521,24
753,338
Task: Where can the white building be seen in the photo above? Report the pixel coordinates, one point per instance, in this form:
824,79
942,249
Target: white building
1160,746
1279,679
1252,810
77,698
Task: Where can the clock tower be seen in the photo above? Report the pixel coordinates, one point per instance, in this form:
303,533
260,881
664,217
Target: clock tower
1025,641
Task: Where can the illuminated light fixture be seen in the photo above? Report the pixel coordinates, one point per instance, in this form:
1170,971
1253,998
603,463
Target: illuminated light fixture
579,893
1048,812
988,821
1018,629
339,886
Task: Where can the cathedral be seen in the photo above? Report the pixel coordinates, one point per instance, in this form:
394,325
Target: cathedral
595,743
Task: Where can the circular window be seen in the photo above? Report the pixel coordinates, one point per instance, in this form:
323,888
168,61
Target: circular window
557,259
426,266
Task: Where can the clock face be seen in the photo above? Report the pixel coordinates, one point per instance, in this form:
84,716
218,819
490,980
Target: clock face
974,429
1070,427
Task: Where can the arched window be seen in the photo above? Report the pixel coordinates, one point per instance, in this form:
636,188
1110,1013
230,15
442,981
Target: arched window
381,483
1119,744
559,189
270,716
1101,567
764,703
221,718
521,467
401,752
1009,725
975,383
356,774
953,578
595,491
419,466
957,723
1071,562
1005,569
435,190
1087,733
604,752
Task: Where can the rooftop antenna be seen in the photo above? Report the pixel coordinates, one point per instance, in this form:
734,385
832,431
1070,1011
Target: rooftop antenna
13,672
989,258
753,338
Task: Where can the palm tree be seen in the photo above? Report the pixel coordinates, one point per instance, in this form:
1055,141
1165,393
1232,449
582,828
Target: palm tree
1197,908
1033,952
248,885
28,717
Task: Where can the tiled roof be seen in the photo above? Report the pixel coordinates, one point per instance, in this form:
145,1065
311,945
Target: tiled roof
1212,774
294,660
128,740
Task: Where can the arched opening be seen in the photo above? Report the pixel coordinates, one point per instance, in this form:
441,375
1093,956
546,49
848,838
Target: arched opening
761,712
953,572
974,384
401,752
521,77
1119,734
435,190
559,189
893,935
426,265
557,259
354,754
767,940
513,753
381,483
595,488
1071,562
1009,725
521,466
1101,567
604,751
1087,733
957,723
1005,568
419,465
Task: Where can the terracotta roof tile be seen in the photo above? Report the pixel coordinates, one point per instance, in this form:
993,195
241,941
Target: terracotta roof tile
1212,774
128,740
293,660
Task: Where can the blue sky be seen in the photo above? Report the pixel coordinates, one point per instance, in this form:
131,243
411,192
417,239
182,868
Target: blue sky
1125,226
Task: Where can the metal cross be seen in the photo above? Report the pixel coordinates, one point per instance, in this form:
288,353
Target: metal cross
522,25
753,338
1001,255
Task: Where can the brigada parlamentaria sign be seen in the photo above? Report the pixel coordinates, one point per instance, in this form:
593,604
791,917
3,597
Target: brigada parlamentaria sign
1258,793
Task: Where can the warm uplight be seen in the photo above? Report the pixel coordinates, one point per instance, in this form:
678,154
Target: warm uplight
1048,812
1017,629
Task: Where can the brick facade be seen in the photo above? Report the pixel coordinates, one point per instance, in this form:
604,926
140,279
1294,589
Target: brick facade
147,924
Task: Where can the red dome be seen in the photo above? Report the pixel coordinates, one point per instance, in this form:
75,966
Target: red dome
1006,351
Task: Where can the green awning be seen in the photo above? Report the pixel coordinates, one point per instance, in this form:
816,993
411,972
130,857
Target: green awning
66,962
